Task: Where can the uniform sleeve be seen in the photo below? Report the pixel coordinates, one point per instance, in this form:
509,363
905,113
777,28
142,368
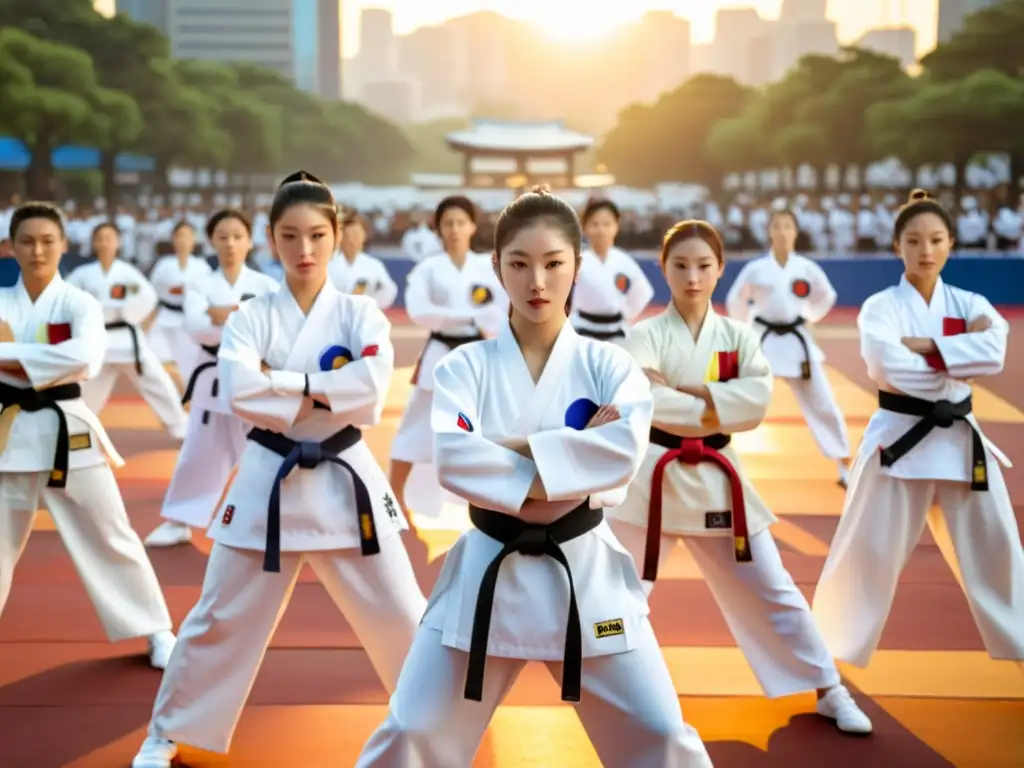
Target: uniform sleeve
890,363
244,387
822,297
137,306
737,301
386,290
424,312
469,465
77,359
741,403
359,389
491,318
196,322
968,355
575,463
671,407
640,291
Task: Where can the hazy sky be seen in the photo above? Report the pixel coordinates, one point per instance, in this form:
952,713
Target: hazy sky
576,19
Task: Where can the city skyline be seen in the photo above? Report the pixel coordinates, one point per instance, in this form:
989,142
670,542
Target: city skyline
574,19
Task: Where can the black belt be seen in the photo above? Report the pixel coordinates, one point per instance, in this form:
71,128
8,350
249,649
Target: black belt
194,378
532,540
601,335
668,440
173,307
454,341
118,324
942,414
597,319
310,455
790,329
33,400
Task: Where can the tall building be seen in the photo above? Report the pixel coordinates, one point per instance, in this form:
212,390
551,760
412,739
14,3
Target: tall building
898,42
377,48
803,10
299,39
953,12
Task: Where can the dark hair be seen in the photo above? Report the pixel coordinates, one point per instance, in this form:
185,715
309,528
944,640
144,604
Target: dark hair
182,225
105,225
35,210
692,229
600,204
921,202
224,214
776,212
539,206
461,202
303,188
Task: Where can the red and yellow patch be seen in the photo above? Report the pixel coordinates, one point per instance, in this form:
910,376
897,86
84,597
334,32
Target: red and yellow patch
723,366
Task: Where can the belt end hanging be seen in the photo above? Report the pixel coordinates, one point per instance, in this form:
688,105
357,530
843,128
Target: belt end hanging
742,547
979,477
805,370
58,479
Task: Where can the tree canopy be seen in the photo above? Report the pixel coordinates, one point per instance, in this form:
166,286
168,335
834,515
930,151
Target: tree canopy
70,76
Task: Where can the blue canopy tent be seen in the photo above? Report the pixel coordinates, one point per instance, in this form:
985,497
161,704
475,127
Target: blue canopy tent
14,156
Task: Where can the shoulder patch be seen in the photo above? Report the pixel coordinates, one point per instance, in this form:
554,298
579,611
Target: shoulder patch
334,357
463,422
801,288
579,413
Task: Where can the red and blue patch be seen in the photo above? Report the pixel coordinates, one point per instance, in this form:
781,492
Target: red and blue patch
579,414
335,357
463,422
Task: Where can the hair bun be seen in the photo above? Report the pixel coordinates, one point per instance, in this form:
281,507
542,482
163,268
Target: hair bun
301,176
541,189
918,195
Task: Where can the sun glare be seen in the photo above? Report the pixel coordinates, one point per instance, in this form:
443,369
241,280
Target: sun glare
576,27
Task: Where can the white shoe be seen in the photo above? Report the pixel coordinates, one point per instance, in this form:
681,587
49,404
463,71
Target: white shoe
155,752
169,534
160,646
839,705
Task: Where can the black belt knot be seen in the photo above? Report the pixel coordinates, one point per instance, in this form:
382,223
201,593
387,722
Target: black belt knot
532,542
790,329
136,351
31,401
311,455
944,414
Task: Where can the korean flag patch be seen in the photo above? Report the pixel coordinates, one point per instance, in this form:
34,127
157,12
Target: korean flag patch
579,414
334,357
463,422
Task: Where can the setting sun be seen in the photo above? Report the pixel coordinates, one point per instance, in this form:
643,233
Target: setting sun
576,27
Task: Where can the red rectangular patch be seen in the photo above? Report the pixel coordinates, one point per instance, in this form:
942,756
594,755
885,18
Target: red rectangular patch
176,290
229,515
953,326
118,291
370,351
728,365
58,332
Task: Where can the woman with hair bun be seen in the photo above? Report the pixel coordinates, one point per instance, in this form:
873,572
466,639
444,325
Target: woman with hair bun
305,364
781,294
924,341
710,381
538,430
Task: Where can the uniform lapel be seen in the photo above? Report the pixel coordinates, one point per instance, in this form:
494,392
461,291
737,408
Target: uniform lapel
313,328
535,399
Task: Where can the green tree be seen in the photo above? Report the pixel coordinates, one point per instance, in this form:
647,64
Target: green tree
665,141
52,98
735,145
430,150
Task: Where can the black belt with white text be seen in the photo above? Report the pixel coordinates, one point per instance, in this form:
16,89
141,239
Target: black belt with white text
136,352
941,414
33,400
790,329
532,540
310,455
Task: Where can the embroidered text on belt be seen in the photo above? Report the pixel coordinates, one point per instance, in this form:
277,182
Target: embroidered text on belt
172,307
942,414
15,399
789,329
693,451
118,324
449,341
601,319
532,540
211,350
310,455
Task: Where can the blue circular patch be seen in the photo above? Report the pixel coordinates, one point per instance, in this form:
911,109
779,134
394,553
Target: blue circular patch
580,413
334,357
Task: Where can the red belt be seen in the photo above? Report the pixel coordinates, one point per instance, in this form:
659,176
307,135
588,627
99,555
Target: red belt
694,451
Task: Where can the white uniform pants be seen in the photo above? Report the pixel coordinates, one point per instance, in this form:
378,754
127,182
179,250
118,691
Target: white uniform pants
155,385
108,554
207,457
767,614
223,639
818,404
883,519
629,709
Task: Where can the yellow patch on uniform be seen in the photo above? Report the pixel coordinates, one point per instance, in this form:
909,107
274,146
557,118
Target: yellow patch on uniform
481,295
42,337
722,366
980,475
609,628
80,442
360,288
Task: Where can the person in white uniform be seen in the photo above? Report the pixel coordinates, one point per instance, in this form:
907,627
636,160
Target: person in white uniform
356,272
923,341
128,299
538,430
304,364
54,450
215,437
167,336
710,380
781,294
456,296
612,290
